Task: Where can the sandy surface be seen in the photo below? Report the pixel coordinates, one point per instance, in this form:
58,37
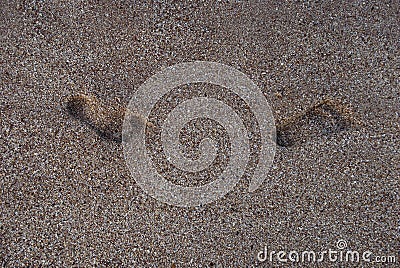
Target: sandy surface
67,198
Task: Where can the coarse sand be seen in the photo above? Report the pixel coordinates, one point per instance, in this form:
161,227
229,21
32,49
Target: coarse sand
67,197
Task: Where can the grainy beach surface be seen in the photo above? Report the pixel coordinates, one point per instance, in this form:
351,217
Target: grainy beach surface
67,197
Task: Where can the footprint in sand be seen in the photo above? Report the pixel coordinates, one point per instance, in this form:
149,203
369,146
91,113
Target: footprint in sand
325,118
105,118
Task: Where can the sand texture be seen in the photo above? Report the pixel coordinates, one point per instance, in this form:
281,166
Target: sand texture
329,70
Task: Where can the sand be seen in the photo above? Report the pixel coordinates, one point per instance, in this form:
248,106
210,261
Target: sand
67,197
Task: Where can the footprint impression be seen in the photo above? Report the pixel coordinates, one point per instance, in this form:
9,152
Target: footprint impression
325,118
104,118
